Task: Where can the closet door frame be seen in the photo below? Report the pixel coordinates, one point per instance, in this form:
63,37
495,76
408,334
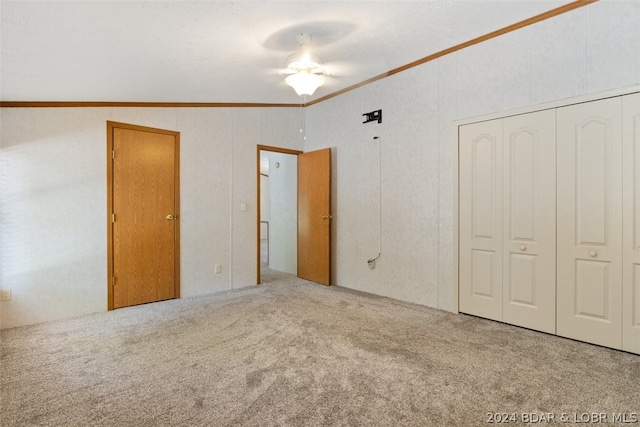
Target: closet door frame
631,223
454,306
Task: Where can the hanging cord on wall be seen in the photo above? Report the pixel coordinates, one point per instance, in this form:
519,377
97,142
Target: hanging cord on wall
372,261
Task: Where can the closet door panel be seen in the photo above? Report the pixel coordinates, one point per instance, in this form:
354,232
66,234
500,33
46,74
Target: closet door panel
529,217
631,223
480,241
589,221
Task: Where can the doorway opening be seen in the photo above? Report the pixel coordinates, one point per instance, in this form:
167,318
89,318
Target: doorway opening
277,218
312,215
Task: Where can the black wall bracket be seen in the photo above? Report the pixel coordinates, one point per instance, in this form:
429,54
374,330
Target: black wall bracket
373,116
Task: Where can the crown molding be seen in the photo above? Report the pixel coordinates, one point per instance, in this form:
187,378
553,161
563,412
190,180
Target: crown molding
521,24
513,27
63,104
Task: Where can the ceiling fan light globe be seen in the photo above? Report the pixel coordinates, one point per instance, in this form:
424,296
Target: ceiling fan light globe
304,83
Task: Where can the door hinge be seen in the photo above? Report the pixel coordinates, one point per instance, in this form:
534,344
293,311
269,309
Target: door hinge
113,281
113,154
113,217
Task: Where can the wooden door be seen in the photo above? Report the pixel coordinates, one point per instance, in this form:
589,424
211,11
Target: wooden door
144,221
631,223
314,216
589,261
480,235
529,220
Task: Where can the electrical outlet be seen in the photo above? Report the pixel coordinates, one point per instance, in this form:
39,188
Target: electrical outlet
5,295
218,269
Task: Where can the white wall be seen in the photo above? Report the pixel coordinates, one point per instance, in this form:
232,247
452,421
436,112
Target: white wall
588,50
53,189
53,209
283,205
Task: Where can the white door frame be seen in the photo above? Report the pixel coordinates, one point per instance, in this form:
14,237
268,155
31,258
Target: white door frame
548,105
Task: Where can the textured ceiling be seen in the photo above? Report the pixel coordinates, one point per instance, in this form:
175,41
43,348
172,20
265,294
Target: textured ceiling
223,51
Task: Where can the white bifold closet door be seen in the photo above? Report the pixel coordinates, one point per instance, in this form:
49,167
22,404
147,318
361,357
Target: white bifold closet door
480,221
529,221
589,221
631,223
507,220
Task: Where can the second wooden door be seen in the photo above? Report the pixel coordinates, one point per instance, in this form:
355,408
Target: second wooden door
314,216
144,215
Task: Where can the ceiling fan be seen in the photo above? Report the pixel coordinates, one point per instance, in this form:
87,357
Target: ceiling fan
305,69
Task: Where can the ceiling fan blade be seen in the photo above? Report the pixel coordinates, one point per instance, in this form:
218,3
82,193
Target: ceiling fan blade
285,71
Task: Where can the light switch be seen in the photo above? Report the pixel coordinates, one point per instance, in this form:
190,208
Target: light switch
243,207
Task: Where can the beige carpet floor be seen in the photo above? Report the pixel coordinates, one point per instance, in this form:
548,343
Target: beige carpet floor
293,353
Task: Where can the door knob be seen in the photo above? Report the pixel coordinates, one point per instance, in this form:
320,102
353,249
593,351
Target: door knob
170,217
593,254
327,217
